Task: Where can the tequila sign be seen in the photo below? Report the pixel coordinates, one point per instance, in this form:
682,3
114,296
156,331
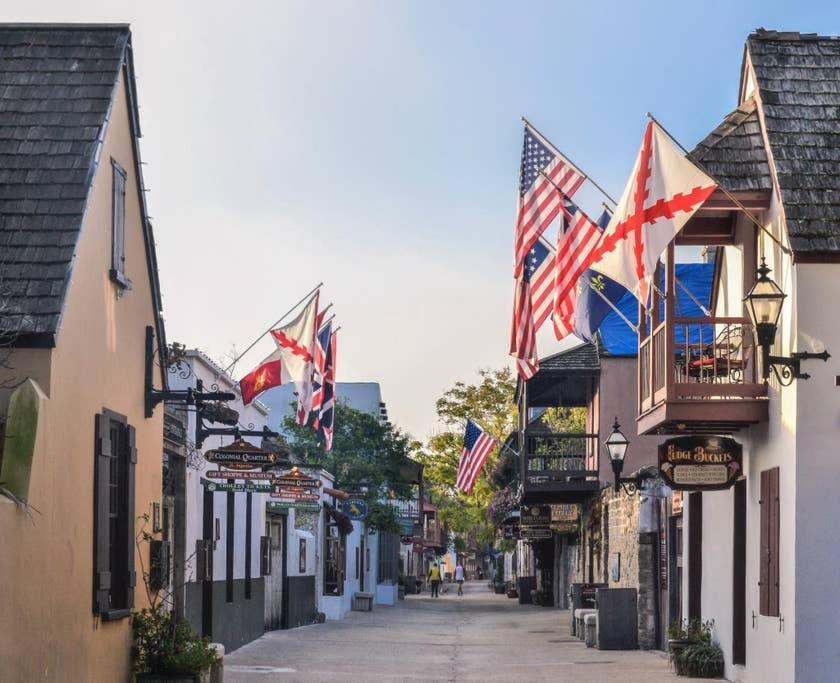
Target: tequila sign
700,463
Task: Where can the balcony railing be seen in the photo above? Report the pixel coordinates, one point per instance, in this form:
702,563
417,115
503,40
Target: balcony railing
560,462
432,535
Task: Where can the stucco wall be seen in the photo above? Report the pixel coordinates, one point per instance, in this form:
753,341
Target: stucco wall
46,567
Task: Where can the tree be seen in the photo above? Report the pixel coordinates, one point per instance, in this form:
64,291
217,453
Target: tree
490,404
365,451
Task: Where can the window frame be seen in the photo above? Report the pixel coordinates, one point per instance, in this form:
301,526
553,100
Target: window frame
335,559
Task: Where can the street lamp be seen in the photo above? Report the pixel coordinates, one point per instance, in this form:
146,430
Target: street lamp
764,305
616,445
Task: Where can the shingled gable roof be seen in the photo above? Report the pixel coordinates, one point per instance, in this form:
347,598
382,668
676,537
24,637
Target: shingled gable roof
57,84
798,80
578,363
734,152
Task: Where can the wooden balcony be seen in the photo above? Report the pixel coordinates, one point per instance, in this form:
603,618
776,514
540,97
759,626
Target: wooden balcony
559,468
696,374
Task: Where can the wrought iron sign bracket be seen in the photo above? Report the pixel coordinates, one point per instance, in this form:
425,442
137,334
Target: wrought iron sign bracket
188,397
202,432
218,415
790,365
634,484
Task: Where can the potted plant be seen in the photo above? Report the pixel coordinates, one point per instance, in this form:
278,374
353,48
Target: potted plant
499,587
700,660
166,649
684,634
677,638
511,590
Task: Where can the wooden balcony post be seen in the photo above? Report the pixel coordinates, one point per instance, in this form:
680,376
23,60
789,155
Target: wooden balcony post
670,295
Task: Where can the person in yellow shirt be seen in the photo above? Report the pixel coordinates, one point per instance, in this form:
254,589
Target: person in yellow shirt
434,579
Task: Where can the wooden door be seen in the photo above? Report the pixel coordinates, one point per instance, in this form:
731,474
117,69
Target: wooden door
274,529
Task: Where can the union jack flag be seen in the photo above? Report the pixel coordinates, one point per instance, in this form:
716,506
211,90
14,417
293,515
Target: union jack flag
544,176
477,447
322,342
576,244
326,415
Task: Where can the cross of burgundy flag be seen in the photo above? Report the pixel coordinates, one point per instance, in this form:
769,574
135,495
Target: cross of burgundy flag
291,361
664,191
477,448
544,174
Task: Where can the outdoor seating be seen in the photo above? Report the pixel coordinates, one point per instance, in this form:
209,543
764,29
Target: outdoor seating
590,625
721,360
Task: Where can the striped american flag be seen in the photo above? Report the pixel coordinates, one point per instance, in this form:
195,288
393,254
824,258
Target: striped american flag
477,447
576,244
523,334
544,174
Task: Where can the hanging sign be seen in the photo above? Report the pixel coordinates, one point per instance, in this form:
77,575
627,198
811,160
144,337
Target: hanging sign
282,505
240,455
227,474
299,481
292,496
565,512
700,463
236,488
535,533
535,515
510,533
355,508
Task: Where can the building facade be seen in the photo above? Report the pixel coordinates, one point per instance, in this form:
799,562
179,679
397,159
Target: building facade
79,290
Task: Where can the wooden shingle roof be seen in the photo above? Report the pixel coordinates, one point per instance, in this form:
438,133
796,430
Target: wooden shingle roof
734,152
798,79
56,87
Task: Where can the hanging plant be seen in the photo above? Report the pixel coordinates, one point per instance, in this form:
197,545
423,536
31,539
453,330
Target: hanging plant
503,503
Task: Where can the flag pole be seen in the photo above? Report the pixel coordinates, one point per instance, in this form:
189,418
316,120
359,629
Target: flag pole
612,306
330,319
275,324
578,168
749,214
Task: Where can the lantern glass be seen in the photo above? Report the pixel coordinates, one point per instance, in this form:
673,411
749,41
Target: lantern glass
765,299
616,444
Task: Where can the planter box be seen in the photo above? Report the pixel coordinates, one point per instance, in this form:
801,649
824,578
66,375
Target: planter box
513,594
164,678
499,589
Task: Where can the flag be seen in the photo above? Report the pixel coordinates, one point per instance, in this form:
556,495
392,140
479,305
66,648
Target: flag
296,344
576,243
477,447
523,339
265,376
326,416
319,366
664,191
542,172
539,267
595,294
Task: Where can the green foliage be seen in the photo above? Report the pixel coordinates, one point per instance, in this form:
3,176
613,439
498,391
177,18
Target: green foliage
694,630
163,645
562,420
365,450
489,403
700,660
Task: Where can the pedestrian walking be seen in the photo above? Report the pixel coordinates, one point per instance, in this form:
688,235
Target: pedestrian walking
459,578
434,578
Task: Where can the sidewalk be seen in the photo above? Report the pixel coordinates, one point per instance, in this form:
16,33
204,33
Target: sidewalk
479,637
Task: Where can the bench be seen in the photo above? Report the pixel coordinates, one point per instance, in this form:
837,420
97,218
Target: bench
580,615
590,626
362,602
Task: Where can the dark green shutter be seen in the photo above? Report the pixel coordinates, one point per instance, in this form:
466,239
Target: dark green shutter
101,565
131,580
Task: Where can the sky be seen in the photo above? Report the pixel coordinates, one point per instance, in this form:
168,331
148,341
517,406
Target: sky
375,146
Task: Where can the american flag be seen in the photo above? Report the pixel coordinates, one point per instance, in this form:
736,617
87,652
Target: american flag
539,271
477,447
523,334
544,174
576,244
326,415
322,342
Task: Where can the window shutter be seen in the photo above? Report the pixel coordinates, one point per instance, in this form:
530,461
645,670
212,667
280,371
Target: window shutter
764,546
131,580
118,220
101,566
773,569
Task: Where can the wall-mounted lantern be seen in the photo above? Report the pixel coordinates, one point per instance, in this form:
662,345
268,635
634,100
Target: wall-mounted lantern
764,305
616,445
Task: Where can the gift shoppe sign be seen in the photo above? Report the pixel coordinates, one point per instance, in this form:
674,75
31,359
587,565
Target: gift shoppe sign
700,463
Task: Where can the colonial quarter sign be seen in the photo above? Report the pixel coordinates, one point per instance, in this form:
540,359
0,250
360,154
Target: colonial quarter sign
700,463
240,455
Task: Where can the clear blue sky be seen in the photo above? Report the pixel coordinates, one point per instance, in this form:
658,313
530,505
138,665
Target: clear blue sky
375,146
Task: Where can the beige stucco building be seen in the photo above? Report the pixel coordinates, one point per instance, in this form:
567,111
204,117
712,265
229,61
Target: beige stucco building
78,283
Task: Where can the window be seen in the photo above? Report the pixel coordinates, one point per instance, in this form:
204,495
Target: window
302,556
113,551
768,603
334,552
118,226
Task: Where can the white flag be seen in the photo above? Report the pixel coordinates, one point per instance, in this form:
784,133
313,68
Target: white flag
296,344
664,191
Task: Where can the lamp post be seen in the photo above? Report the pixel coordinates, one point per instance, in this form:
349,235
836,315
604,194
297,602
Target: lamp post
616,445
764,306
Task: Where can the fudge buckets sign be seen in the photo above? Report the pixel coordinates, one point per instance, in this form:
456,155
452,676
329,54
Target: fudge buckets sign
700,463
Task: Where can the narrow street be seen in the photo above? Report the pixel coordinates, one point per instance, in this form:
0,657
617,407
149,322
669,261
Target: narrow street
480,637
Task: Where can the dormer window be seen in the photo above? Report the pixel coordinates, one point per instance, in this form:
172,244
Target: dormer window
118,227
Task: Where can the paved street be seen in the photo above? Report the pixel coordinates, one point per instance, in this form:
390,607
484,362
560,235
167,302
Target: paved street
480,637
